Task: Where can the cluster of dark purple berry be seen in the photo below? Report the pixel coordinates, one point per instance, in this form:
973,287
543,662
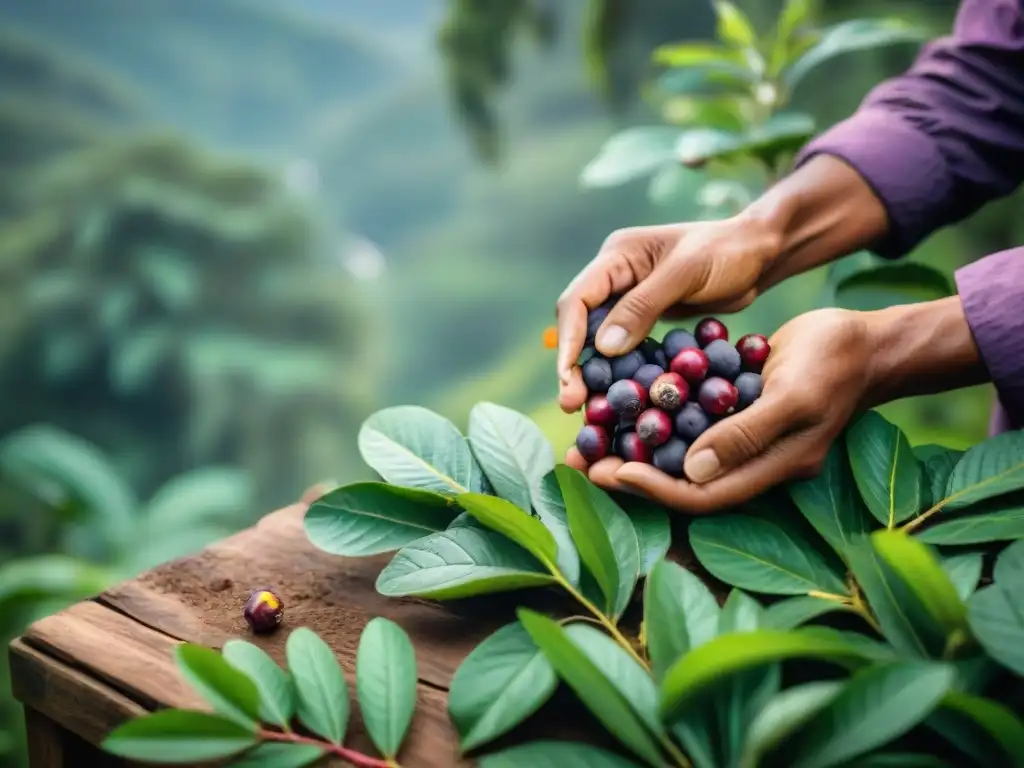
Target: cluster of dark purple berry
651,404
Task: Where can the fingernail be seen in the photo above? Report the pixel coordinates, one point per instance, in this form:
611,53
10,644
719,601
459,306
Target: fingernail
703,466
613,340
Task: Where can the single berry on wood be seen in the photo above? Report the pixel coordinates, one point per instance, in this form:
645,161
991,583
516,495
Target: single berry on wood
718,396
646,374
669,457
263,611
669,391
710,329
723,360
748,385
653,427
754,350
599,413
629,447
691,422
625,366
627,398
593,443
597,374
676,340
594,319
692,364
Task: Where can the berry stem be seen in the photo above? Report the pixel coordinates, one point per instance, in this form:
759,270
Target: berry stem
351,756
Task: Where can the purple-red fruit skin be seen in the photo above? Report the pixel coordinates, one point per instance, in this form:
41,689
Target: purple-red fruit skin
718,396
654,427
748,385
629,447
676,340
625,366
593,443
627,398
669,457
723,360
692,364
646,374
754,350
263,611
599,413
710,329
669,391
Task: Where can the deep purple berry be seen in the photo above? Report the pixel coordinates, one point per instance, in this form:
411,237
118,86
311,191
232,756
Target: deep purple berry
669,457
676,341
754,350
593,443
594,319
627,398
263,611
629,447
653,427
626,424
748,385
718,397
650,348
599,413
691,364
597,374
723,360
669,391
661,359
625,366
646,374
710,329
691,422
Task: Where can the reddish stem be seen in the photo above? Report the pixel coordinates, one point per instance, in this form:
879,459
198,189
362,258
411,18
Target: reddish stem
357,759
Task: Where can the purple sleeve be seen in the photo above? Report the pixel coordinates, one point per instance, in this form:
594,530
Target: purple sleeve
992,292
939,141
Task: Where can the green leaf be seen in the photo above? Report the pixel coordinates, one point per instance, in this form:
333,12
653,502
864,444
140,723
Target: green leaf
630,154
977,525
964,571
740,613
987,470
512,451
756,554
369,518
982,728
280,755
386,681
997,622
885,469
831,503
786,713
320,690
179,736
460,562
783,132
604,536
502,682
794,611
277,696
874,287
653,530
794,15
1009,567
686,55
204,495
514,523
732,653
680,614
550,508
555,754
228,691
938,466
713,79
848,36
734,28
591,685
898,760
413,447
877,705
50,577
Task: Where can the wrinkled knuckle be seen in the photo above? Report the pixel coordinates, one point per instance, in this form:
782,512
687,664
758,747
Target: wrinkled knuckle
616,240
745,441
638,303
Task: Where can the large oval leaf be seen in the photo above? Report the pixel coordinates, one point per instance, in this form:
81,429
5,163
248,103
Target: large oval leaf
321,694
939,463
794,611
386,681
502,681
998,623
680,613
756,554
987,470
885,469
279,755
993,520
229,691
785,713
630,154
740,613
514,523
550,508
982,728
964,571
1009,567
511,450
277,695
460,562
653,530
177,736
555,754
369,518
411,446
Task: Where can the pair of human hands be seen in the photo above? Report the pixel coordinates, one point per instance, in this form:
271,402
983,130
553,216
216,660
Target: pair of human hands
818,374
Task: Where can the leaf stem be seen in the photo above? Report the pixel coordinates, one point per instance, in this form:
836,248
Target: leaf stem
861,608
674,752
909,526
603,620
571,619
844,599
351,756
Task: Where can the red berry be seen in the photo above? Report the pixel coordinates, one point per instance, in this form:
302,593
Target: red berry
691,364
263,611
627,398
718,397
593,443
654,427
754,351
629,447
599,413
710,329
669,391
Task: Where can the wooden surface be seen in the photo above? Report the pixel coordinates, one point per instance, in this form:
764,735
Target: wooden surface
100,662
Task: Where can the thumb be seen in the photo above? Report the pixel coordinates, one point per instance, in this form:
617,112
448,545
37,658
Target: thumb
738,439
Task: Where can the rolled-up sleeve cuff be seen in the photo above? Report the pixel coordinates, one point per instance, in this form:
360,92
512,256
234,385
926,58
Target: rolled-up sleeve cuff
903,167
992,292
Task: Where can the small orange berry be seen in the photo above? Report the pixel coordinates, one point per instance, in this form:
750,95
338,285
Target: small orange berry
551,338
